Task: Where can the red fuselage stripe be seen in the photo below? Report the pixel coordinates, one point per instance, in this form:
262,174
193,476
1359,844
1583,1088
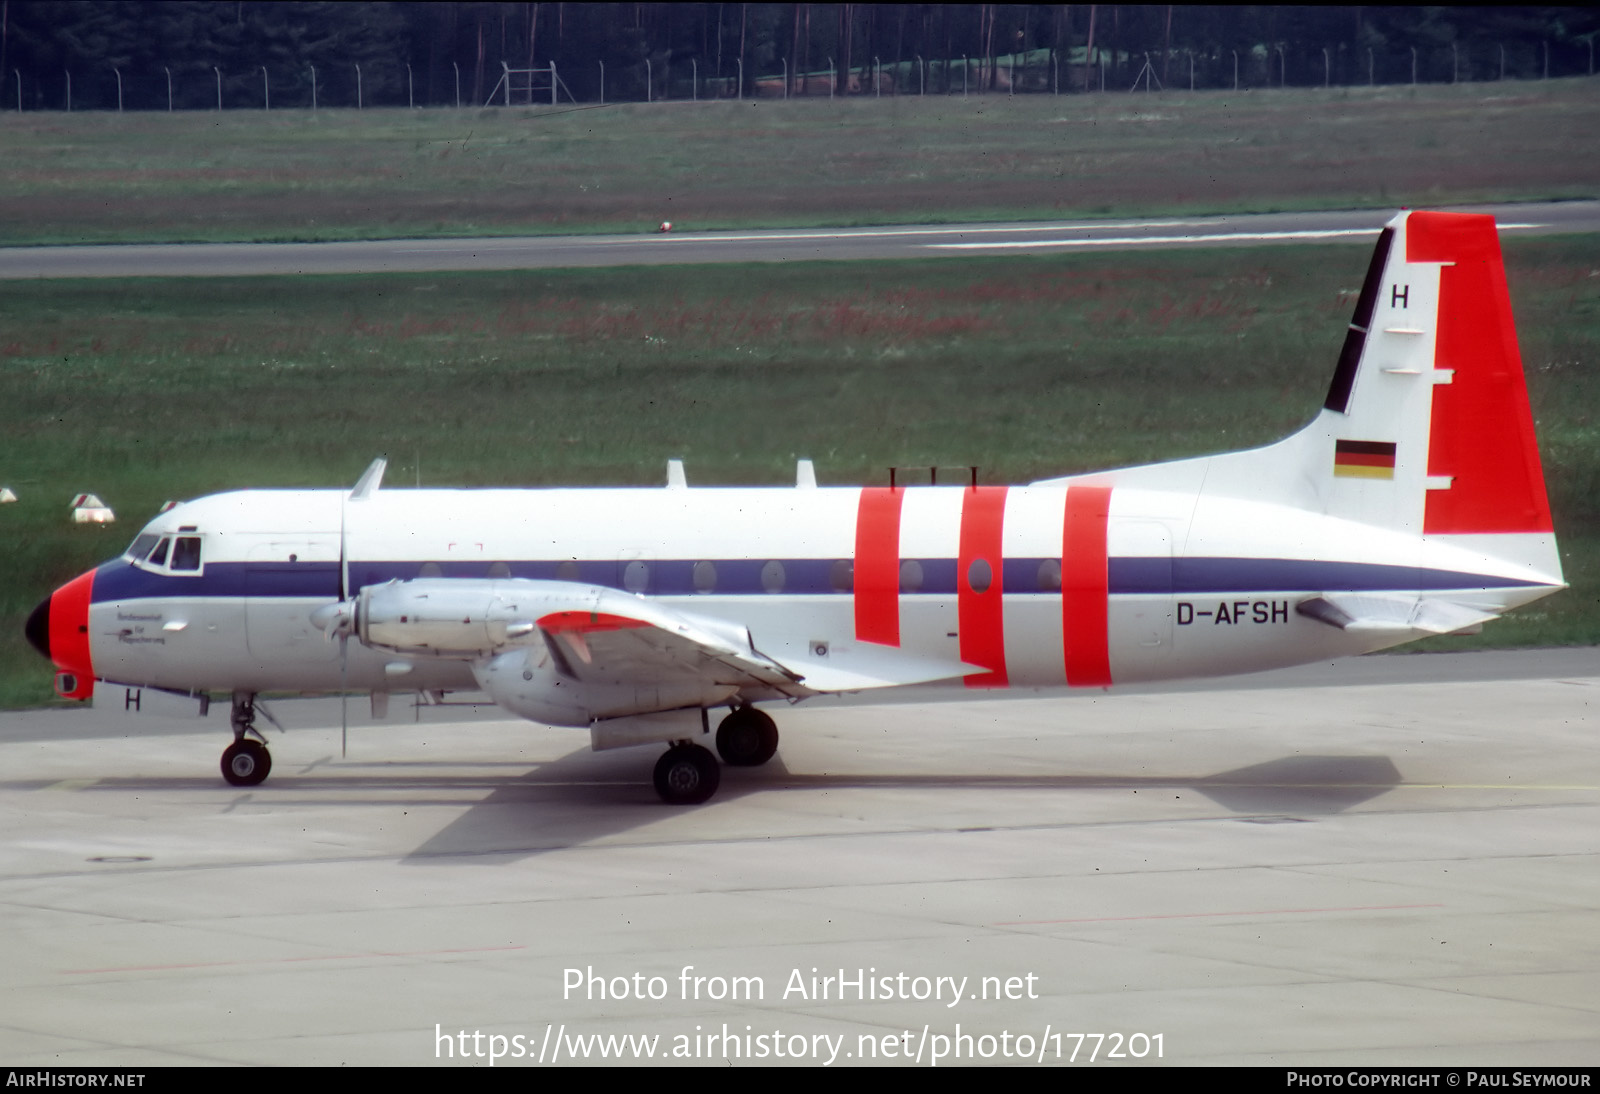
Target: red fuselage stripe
877,565
981,614
1083,586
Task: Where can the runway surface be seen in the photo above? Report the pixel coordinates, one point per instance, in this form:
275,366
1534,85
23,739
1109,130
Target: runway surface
1385,861
777,245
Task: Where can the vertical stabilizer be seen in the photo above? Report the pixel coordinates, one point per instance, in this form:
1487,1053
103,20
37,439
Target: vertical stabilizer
1426,429
1482,438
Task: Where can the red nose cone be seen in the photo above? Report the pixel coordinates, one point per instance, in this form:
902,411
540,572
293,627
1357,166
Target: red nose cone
59,629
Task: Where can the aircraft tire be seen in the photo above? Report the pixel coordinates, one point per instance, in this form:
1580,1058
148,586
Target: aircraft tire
687,775
747,738
246,763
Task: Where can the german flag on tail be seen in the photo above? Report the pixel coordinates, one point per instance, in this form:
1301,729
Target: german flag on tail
1363,459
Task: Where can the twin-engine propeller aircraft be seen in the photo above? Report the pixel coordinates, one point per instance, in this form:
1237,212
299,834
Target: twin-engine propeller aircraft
1412,505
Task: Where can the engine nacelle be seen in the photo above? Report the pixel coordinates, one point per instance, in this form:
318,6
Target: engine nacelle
458,619
530,684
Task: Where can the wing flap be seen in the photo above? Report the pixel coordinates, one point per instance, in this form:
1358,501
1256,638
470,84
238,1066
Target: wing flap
613,637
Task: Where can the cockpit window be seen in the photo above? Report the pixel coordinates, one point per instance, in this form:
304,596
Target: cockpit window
186,553
141,546
166,553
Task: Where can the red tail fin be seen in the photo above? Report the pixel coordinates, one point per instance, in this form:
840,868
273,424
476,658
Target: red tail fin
1482,428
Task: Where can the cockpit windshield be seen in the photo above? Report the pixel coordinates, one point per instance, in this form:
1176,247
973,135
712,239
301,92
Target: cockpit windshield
140,548
165,553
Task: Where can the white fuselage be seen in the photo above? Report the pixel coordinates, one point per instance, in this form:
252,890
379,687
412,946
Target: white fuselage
1030,586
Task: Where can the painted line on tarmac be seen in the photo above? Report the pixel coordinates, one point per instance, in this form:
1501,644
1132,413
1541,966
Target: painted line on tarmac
290,960
877,233
1134,241
1218,915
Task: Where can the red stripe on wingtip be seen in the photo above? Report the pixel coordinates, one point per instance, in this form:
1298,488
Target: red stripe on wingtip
1482,433
877,565
980,616
1084,586
588,622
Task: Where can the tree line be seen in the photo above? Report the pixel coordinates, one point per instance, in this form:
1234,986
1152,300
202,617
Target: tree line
206,54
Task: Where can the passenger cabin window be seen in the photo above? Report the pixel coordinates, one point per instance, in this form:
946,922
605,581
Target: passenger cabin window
705,577
772,577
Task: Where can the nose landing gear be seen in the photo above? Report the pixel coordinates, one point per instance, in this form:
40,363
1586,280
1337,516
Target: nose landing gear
246,762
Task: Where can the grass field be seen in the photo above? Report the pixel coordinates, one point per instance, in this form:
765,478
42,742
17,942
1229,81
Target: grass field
143,390
298,175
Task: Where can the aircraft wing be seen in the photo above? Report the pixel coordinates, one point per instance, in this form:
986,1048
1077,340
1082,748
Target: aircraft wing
606,637
619,639
643,641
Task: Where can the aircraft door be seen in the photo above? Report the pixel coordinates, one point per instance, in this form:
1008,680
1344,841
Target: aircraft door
285,581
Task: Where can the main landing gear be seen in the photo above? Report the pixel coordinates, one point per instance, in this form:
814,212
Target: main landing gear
246,762
747,738
687,774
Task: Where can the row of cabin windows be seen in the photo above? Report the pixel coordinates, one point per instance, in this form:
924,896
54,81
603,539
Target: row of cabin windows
841,576
181,554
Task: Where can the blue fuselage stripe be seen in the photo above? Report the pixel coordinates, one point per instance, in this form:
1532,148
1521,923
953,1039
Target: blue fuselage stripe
119,581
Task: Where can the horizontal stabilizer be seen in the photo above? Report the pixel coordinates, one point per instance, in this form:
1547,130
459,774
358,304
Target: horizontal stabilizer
1406,615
